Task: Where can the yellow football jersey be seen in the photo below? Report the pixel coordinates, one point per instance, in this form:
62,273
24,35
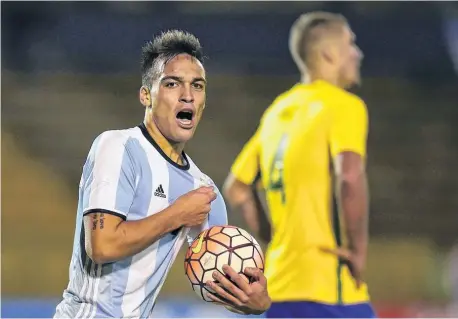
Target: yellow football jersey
298,135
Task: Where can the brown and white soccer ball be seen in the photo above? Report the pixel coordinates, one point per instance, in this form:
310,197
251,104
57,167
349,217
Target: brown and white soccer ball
218,246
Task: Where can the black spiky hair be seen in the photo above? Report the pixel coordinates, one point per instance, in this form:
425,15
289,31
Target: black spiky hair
165,47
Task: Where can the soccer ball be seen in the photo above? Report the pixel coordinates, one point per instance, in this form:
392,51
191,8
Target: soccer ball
215,247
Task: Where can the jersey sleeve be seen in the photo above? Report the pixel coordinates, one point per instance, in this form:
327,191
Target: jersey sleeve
246,166
109,184
349,128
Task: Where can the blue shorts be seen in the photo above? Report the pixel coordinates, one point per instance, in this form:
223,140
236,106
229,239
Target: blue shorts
305,309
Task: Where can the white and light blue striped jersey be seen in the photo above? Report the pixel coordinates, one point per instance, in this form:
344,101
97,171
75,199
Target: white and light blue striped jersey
128,175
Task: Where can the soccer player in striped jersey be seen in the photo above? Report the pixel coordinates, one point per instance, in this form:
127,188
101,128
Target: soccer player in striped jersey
313,265
141,197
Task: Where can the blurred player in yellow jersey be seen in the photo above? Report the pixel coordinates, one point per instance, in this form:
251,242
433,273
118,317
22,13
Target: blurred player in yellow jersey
310,141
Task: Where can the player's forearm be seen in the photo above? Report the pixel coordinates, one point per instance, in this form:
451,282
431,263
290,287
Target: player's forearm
239,198
249,212
264,231
250,209
130,237
243,200
354,203
135,236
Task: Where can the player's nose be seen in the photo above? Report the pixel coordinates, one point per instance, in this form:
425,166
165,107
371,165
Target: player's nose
186,95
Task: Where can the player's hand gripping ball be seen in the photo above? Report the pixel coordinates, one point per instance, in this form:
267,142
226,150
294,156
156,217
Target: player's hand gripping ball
218,246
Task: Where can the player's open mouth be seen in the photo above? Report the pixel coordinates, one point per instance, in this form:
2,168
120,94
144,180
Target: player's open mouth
185,118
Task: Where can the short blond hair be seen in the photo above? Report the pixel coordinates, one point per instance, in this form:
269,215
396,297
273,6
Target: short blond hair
307,30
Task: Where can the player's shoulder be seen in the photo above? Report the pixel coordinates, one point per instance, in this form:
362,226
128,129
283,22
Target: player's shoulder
353,100
120,136
287,97
197,173
341,103
114,139
354,105
282,100
344,97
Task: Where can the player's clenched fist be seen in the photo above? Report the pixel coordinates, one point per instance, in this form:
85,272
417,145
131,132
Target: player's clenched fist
195,205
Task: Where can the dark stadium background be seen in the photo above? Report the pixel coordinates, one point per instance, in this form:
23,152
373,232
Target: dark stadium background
71,70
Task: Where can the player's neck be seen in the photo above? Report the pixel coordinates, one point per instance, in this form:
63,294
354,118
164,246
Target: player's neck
320,76
173,150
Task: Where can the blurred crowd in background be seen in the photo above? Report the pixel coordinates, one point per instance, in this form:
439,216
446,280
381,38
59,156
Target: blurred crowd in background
71,70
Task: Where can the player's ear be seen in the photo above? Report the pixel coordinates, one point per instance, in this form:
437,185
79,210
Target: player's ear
327,53
145,96
330,52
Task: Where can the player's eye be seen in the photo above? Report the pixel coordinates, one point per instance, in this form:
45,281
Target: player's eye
198,86
171,84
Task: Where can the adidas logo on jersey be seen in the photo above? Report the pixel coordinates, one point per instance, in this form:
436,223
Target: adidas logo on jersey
160,192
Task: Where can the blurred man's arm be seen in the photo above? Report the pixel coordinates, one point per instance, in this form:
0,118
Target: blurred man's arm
352,193
348,149
240,189
244,199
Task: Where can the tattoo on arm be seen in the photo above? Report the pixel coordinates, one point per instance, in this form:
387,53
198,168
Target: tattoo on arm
98,219
94,222
102,220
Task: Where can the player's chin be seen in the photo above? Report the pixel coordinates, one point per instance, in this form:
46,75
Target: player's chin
182,135
357,78
354,81
357,82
